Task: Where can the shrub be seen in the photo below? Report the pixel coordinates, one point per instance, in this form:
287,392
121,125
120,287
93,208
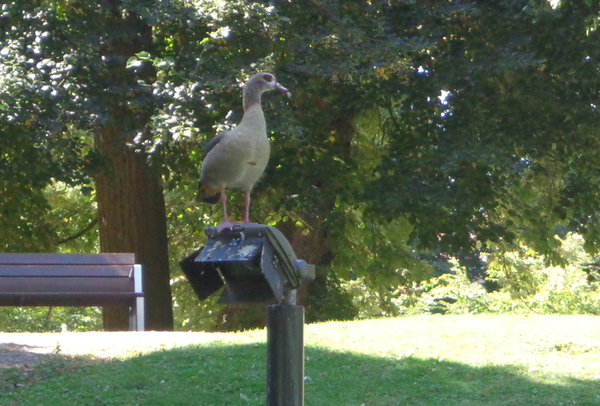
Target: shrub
527,285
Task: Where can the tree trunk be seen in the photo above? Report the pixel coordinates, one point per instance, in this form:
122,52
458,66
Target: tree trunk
132,218
131,207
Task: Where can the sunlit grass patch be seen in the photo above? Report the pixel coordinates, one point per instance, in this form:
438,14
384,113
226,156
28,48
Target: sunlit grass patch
446,360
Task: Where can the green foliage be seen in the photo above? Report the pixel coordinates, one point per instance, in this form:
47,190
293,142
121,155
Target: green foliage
527,283
73,216
315,155
378,262
445,126
34,149
45,319
329,299
453,160
22,164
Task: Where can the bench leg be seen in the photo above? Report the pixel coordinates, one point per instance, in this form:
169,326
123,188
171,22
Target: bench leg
136,316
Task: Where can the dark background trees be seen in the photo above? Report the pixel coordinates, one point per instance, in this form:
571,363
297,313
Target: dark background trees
76,55
444,126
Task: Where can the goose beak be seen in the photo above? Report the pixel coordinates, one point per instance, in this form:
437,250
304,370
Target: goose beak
282,89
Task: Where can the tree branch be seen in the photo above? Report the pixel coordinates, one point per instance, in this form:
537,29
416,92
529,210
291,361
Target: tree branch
80,233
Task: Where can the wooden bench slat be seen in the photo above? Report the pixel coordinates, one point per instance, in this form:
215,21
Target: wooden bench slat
92,271
65,285
112,279
68,259
69,299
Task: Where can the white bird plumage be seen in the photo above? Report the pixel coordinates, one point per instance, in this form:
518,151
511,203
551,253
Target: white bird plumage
237,158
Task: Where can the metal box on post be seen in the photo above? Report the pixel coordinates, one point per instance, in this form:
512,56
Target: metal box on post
255,263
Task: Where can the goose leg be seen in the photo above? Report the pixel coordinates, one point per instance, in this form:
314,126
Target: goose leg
226,224
247,206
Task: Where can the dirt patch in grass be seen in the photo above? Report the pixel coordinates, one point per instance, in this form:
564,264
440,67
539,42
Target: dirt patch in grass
13,355
28,349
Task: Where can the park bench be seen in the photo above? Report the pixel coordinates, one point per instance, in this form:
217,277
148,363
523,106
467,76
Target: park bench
73,280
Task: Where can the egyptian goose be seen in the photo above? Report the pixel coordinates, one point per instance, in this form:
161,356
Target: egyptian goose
237,158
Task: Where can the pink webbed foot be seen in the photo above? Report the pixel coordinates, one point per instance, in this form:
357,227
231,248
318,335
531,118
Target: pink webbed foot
225,225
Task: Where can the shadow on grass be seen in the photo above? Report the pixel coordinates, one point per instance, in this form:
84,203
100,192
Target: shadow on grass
16,355
354,379
20,367
219,374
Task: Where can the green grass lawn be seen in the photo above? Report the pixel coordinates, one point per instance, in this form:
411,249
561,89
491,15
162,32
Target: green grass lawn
424,360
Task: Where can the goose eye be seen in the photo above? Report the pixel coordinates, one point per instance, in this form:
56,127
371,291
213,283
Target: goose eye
268,78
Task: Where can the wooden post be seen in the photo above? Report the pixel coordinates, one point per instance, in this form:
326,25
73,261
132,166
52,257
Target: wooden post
285,355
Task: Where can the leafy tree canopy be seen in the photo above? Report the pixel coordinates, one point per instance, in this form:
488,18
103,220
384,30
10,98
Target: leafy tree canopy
451,125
